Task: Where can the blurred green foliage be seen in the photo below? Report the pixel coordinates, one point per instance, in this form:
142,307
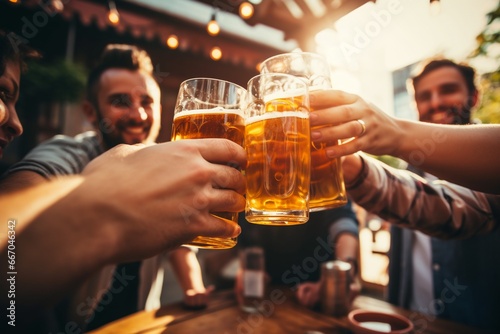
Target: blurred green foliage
391,161
489,109
488,41
58,81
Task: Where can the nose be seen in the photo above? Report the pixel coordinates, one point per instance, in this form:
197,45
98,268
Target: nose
12,125
435,101
137,114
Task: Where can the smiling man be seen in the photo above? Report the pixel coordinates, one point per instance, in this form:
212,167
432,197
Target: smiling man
429,274
445,92
123,98
123,105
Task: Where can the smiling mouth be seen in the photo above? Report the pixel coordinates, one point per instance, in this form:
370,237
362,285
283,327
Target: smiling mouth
135,130
441,117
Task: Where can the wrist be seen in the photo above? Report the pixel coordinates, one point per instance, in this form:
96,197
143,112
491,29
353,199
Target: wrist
403,143
353,167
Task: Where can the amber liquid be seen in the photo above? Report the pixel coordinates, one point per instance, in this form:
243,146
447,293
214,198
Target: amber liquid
278,167
217,123
327,181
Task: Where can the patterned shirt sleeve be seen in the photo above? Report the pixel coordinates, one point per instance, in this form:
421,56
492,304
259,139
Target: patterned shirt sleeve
435,207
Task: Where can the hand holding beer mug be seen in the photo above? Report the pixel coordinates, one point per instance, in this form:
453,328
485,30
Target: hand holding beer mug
277,141
327,181
210,108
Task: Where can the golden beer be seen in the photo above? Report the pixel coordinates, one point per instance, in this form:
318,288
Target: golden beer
327,182
278,168
217,123
214,123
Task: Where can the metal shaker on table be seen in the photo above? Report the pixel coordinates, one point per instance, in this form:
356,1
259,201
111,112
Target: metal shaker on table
335,288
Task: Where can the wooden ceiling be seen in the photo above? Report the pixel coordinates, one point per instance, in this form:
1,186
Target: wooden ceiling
298,19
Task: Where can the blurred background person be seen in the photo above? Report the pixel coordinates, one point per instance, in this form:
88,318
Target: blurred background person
12,62
445,92
427,274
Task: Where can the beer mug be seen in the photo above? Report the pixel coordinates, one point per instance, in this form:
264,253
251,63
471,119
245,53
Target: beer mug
277,141
210,108
327,181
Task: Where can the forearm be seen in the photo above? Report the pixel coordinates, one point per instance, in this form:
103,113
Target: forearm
461,154
51,241
437,208
20,180
187,269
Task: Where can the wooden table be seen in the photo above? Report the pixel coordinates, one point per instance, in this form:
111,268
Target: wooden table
281,314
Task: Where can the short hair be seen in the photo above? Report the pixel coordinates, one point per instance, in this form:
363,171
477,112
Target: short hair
12,51
467,72
117,56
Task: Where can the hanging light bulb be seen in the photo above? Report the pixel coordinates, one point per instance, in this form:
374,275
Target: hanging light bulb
246,10
435,7
216,53
173,41
57,6
213,28
113,15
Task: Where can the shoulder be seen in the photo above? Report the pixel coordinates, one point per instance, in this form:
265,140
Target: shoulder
83,140
61,155
85,143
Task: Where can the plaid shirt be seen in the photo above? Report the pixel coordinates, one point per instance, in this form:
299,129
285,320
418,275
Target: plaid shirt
437,207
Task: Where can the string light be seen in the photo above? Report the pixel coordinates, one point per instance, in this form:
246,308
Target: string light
246,10
258,67
113,15
56,5
173,41
213,28
216,53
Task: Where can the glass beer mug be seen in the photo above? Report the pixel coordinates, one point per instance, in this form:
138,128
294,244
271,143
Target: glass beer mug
210,108
277,141
327,181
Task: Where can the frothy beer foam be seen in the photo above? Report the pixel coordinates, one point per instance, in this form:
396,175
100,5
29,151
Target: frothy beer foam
276,114
218,110
291,93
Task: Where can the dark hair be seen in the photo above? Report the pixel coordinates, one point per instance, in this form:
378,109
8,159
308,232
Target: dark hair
12,51
468,73
120,56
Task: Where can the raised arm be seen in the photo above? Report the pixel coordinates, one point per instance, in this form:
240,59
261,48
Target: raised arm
116,211
460,154
188,271
437,208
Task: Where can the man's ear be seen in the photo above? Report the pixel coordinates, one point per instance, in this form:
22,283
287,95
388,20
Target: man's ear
90,112
474,99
